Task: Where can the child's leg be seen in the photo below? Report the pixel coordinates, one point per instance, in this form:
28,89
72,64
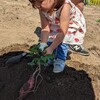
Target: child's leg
76,45
75,40
50,61
60,57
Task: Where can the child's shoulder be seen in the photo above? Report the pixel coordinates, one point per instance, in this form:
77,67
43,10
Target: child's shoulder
70,3
67,1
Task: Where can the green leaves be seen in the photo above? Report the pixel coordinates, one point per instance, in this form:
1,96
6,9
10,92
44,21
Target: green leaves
34,49
40,59
44,59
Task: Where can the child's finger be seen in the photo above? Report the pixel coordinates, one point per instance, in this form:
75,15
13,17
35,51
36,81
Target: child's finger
44,52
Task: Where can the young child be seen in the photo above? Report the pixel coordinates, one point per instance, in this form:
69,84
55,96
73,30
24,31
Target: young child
62,23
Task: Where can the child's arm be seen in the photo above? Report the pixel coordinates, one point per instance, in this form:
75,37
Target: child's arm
45,30
79,4
64,24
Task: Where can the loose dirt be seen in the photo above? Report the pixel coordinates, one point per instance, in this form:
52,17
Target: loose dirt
80,79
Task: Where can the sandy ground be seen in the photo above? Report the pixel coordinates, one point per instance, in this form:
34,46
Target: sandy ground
18,22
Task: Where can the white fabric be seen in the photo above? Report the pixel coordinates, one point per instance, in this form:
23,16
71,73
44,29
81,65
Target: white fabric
42,46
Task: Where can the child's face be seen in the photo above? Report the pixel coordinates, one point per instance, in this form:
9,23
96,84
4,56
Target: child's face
45,5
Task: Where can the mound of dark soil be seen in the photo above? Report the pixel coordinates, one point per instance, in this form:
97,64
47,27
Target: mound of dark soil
68,85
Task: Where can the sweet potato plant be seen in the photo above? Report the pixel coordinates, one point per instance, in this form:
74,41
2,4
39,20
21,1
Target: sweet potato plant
32,84
39,57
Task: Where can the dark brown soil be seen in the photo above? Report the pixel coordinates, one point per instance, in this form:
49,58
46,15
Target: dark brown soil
72,84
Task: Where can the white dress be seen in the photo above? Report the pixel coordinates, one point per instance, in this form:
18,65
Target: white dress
77,25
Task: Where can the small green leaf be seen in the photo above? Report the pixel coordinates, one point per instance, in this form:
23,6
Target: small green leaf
34,49
30,54
43,59
51,56
36,61
98,20
31,64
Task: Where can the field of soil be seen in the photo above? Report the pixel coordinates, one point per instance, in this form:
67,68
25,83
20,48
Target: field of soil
81,77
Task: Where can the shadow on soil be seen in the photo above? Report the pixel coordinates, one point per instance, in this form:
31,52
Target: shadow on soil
69,85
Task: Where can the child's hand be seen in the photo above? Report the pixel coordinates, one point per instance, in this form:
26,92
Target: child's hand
48,50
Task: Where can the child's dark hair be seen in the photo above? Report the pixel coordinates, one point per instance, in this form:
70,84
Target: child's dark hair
57,5
33,3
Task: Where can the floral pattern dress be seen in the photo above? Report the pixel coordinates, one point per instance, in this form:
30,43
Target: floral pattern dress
77,25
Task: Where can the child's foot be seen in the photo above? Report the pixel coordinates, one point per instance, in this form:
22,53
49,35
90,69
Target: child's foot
59,65
79,49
